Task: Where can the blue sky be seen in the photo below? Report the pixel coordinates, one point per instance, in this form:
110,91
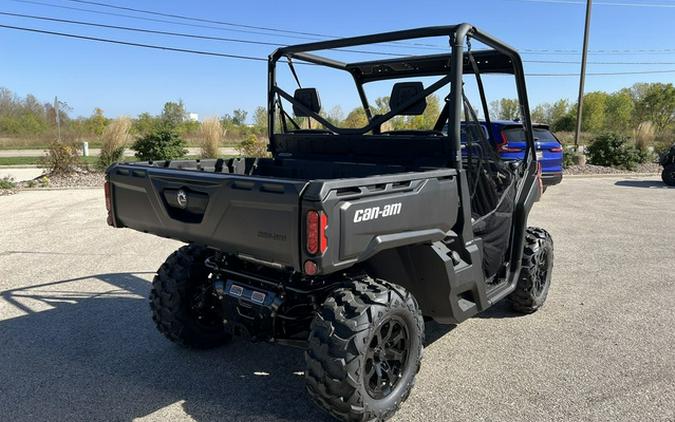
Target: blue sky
126,81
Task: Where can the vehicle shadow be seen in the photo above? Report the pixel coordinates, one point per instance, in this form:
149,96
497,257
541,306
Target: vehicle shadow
651,184
501,309
97,356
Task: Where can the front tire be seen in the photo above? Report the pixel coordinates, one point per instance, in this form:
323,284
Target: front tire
365,348
535,274
183,308
668,175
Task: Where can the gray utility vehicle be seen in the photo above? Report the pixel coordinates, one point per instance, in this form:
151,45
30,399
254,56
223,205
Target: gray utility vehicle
347,240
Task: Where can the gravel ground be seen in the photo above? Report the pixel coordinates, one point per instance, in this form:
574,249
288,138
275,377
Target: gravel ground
78,343
647,168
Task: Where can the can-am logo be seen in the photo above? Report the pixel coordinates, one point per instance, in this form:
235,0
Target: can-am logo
373,213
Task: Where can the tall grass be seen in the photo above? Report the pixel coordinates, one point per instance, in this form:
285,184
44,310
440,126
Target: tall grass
114,141
644,135
212,137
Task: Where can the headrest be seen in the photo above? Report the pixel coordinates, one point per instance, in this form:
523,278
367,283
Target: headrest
404,91
309,98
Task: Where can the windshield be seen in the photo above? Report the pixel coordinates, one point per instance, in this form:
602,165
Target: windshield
517,134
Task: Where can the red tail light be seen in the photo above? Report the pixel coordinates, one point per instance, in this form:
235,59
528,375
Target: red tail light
556,149
503,146
108,199
540,181
315,229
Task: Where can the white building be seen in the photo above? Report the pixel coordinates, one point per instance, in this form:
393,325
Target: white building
193,117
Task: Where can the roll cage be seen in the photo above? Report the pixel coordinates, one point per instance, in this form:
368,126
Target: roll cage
501,58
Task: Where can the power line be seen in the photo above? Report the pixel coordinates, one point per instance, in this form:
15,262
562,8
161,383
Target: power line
262,59
607,3
280,33
134,44
303,35
177,34
638,72
238,40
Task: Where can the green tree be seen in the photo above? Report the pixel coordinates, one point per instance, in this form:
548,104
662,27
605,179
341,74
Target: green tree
145,124
619,111
541,113
655,102
506,109
239,117
593,114
356,118
260,120
97,122
173,114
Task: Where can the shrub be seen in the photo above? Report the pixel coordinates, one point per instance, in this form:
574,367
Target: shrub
163,144
63,157
7,183
212,136
253,146
613,150
570,156
113,142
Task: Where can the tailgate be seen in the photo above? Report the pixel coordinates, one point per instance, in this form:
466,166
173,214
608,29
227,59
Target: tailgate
254,216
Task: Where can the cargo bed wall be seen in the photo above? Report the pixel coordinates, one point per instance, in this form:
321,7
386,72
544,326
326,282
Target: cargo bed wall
253,216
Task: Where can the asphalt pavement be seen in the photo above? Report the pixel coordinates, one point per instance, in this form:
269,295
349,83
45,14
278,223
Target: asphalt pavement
77,342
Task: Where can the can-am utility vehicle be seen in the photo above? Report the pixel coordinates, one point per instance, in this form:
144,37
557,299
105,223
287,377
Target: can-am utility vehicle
350,236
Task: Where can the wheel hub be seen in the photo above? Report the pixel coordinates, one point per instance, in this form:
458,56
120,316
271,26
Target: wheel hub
386,357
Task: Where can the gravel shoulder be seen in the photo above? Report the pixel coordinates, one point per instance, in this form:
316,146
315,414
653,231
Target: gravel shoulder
78,343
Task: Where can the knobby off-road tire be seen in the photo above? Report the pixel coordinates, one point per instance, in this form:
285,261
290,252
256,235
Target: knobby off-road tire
535,274
365,348
181,304
668,175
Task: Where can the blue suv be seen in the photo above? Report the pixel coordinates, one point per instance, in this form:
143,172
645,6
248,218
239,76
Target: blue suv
510,144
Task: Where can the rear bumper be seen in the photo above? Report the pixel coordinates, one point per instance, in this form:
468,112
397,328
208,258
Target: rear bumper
550,179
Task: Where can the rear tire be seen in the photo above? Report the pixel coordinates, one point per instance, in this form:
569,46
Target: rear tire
365,348
182,306
535,274
668,175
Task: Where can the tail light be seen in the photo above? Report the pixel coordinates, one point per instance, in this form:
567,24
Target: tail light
503,146
108,200
315,231
557,149
108,203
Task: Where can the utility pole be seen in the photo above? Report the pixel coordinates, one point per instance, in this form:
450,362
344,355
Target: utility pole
58,117
582,78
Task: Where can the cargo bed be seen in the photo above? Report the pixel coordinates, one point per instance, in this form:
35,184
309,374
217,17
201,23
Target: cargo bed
254,207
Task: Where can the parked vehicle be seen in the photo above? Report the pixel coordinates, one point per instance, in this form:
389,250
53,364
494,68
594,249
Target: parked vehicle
508,138
347,240
668,163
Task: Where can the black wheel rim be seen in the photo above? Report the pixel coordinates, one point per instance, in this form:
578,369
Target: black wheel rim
386,357
541,273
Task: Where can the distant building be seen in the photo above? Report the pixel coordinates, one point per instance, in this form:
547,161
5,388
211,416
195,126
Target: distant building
194,117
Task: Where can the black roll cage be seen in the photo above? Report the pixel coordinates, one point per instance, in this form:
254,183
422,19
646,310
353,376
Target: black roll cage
501,59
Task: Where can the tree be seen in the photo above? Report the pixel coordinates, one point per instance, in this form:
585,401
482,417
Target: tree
239,117
655,102
145,124
558,110
593,114
506,109
260,119
334,115
96,122
173,114
541,113
163,144
356,118
619,111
